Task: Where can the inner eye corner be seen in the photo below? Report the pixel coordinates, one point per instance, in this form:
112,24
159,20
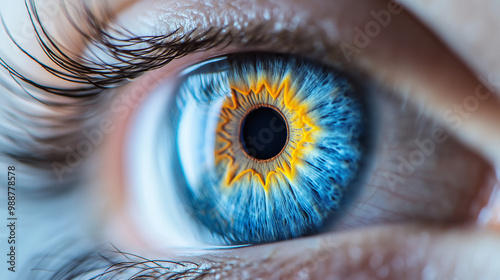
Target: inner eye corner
259,119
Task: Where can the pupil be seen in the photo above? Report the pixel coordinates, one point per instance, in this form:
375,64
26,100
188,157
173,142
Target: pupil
264,133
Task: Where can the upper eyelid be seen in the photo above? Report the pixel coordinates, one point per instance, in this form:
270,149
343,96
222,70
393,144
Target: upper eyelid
38,153
126,50
102,77
128,55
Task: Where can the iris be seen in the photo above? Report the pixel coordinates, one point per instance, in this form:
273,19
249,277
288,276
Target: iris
268,146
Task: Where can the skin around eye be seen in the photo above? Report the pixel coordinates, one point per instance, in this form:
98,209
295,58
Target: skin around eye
421,73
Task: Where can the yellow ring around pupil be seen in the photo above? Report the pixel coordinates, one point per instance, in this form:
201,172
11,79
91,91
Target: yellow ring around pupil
234,164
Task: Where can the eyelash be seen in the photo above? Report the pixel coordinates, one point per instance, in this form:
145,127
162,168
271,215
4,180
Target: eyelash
94,79
133,58
116,263
90,80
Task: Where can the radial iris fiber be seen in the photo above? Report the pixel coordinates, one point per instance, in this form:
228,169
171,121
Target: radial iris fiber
244,198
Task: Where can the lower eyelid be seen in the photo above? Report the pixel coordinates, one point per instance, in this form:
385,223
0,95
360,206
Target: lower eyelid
399,252
393,252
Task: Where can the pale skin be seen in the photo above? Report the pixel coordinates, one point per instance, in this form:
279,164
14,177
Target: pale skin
434,55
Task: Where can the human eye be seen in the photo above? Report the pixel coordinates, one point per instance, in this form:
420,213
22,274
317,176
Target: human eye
363,148
253,129
239,187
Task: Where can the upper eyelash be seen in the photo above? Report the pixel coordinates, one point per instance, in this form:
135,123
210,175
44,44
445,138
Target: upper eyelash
128,49
133,58
92,77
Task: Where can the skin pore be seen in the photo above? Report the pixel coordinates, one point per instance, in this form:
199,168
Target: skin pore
432,60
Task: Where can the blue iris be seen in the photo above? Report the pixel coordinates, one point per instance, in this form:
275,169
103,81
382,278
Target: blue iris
269,146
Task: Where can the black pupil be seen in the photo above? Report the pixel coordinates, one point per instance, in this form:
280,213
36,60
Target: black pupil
264,133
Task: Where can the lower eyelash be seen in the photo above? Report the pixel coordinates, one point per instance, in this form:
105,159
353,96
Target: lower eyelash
110,264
